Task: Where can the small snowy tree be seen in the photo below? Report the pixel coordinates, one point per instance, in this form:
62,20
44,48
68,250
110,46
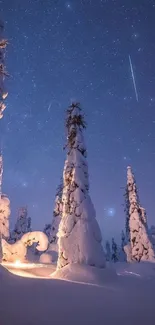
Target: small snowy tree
3,73
57,214
114,254
47,230
18,250
22,226
79,236
141,246
122,253
108,251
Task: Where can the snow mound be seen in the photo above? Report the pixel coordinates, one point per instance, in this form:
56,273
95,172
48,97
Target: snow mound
85,274
142,270
46,258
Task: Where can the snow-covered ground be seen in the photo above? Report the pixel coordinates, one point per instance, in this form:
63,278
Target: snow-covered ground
127,298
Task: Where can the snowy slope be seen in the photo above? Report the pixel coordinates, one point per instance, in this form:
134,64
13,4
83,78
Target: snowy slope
125,300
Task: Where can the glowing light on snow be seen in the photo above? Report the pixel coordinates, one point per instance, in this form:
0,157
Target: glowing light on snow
17,263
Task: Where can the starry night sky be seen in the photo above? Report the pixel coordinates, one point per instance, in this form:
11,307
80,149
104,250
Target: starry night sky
61,51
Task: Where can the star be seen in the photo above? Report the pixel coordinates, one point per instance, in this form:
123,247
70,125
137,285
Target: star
68,5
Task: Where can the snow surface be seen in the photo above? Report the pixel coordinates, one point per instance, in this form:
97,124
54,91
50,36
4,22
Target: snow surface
85,274
122,300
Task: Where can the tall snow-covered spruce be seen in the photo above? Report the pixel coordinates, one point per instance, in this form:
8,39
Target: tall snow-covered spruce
3,73
79,236
140,245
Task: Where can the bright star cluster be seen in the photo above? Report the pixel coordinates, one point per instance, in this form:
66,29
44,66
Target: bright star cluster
79,50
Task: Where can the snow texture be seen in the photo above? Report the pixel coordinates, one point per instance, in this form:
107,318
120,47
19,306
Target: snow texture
84,274
141,246
57,214
79,234
18,250
3,73
45,258
130,296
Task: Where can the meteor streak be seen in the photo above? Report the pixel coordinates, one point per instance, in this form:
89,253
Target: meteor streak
133,78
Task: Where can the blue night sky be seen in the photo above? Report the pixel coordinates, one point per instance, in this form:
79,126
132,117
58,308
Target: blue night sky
61,51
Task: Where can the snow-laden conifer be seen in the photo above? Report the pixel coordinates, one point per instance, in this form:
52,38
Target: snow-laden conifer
79,233
141,246
114,253
22,226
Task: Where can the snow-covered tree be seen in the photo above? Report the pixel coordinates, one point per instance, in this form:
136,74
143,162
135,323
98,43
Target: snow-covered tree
4,207
108,251
114,254
141,246
22,226
18,250
47,230
3,73
122,254
57,214
79,236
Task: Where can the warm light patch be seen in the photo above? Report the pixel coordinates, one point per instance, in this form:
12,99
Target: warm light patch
17,263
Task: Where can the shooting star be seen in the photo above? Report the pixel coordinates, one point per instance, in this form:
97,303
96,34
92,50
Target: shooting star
133,78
